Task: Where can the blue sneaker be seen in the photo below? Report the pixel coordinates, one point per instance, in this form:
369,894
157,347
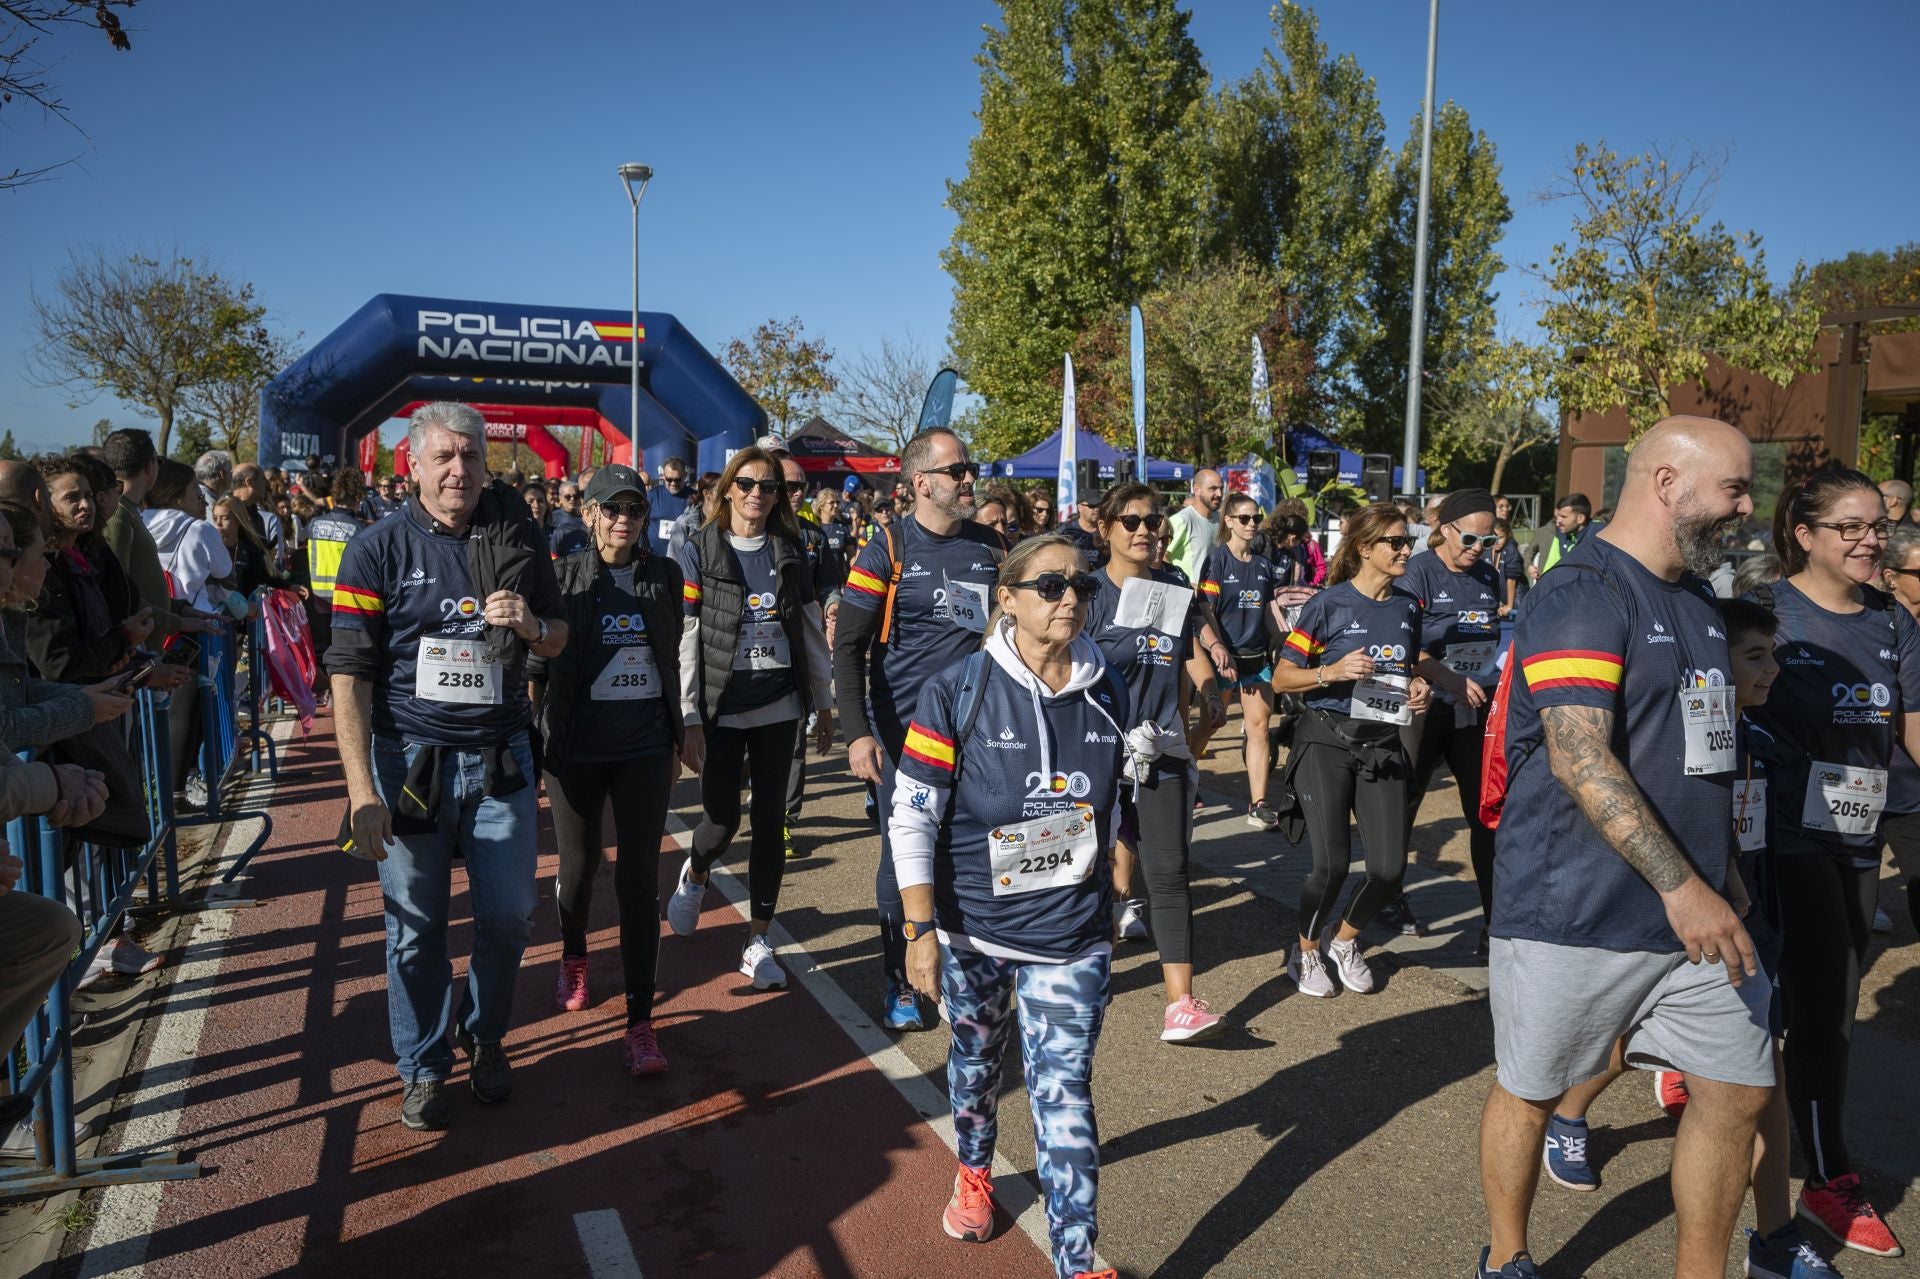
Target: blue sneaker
1521,1267
902,1008
1785,1254
1566,1154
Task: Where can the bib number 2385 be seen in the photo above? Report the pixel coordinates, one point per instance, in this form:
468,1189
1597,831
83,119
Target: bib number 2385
456,669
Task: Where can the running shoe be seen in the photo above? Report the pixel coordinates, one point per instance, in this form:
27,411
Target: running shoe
1130,919
1199,801
1521,1267
1670,1090
786,841
902,1011
121,957
1882,922
760,963
570,991
489,1074
683,908
1309,973
1189,1019
1096,1274
423,1107
641,1049
1785,1254
1398,914
969,1214
1841,1209
1347,960
1483,949
1565,1157
1261,816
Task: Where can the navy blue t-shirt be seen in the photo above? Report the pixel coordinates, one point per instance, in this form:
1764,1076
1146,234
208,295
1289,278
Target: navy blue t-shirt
1630,643
1833,710
664,506
1151,655
1460,614
567,535
1240,592
1340,620
609,721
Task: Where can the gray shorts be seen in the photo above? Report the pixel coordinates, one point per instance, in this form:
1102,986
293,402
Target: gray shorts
1558,1009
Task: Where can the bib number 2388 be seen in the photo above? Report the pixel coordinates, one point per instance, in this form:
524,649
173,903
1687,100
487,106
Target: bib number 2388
456,669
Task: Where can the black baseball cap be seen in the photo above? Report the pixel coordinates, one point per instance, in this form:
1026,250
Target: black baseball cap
611,481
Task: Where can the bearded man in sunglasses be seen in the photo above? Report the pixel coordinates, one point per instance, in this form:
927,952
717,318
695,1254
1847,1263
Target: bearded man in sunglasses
915,602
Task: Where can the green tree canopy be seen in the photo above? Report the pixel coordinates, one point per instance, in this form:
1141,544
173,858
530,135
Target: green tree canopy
786,371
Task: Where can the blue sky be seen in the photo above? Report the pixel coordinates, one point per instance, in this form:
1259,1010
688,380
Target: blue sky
329,152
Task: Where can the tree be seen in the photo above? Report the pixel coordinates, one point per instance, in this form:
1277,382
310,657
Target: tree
195,437
149,331
1085,189
9,451
230,399
102,429
881,392
1646,292
785,371
1486,410
23,25
1856,282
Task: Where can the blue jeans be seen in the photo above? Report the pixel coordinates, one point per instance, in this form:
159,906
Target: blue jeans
1059,1008
497,838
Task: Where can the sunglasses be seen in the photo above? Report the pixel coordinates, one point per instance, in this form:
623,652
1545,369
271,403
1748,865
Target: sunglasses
1051,586
767,487
568,495
631,510
1470,540
956,472
1399,542
795,488
1132,523
1244,519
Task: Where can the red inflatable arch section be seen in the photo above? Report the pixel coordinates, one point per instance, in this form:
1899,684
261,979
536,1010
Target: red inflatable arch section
528,423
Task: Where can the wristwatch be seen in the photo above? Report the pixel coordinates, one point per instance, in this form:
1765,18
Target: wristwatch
914,930
541,638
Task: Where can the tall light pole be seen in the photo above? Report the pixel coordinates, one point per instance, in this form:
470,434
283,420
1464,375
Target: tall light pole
1410,455
633,180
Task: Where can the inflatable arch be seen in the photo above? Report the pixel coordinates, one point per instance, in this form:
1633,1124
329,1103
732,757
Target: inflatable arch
528,424
396,350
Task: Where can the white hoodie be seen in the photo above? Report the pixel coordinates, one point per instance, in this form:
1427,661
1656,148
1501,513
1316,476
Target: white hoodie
191,552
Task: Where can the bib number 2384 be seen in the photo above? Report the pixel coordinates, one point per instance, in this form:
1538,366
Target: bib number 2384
456,669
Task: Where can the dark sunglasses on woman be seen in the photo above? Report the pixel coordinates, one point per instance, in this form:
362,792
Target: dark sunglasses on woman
1399,542
768,488
1132,523
632,510
1051,586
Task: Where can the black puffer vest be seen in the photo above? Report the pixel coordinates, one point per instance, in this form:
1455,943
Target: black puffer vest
586,587
723,598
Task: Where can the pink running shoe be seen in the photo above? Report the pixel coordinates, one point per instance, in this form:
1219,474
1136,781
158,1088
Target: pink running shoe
1841,1209
969,1214
570,991
642,1050
1670,1090
1190,1019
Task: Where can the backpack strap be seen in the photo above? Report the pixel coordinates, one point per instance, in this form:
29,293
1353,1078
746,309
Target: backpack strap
967,702
894,564
1763,595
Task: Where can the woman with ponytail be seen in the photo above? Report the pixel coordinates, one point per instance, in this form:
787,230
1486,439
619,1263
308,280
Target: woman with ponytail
1849,686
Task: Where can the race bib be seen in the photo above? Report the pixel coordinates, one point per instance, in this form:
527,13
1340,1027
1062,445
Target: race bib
967,606
1473,659
1159,606
663,529
1750,813
1843,799
1382,698
1707,715
631,676
456,669
763,647
1046,852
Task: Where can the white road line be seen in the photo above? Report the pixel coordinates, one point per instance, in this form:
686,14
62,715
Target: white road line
117,1244
1016,1193
604,1240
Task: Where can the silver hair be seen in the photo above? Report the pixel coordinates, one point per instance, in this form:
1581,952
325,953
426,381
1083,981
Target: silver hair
216,464
459,419
1902,541
1757,571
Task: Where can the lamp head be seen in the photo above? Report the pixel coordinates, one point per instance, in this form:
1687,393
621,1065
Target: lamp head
636,173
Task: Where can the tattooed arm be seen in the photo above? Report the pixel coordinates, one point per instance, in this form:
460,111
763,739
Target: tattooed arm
1580,753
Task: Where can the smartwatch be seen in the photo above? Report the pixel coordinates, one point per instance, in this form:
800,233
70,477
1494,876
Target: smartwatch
914,930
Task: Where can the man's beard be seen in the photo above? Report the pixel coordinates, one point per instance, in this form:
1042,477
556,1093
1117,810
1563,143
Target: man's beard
1697,537
958,507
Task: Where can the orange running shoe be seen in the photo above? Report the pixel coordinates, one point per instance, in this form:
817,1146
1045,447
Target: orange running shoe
1841,1209
1096,1274
969,1214
1670,1090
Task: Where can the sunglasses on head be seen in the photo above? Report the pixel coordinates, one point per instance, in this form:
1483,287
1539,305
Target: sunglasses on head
956,472
1470,540
767,487
632,510
1051,586
1399,542
1132,523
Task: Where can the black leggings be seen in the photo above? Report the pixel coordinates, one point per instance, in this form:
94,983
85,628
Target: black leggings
1431,738
1826,909
641,790
1902,833
1327,780
886,884
1162,820
768,752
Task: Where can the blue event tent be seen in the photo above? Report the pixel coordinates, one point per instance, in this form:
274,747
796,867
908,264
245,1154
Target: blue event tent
1042,461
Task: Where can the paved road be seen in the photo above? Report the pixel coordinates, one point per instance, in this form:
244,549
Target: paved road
1319,1137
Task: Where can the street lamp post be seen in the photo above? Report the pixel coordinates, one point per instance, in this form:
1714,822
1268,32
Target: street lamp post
1410,455
633,180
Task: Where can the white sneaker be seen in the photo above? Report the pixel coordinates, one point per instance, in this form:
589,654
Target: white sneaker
1129,920
1347,961
1309,973
19,1142
683,908
1882,922
760,963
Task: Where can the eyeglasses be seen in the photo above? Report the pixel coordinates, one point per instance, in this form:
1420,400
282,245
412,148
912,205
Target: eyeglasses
1852,531
614,510
1244,519
795,488
767,487
956,472
1399,542
1470,540
1132,523
1904,572
569,495
1052,586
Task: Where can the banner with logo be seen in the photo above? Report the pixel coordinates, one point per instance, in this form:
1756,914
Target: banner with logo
1066,491
937,408
1137,346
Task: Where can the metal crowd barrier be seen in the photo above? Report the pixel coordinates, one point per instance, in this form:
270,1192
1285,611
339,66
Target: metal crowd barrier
98,884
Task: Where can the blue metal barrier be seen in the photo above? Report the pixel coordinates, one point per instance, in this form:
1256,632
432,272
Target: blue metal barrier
220,756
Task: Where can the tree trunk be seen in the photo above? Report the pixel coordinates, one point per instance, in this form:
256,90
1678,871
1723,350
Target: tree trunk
166,428
1500,461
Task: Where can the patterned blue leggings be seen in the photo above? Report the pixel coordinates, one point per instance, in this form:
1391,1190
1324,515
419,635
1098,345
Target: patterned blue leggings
1060,1009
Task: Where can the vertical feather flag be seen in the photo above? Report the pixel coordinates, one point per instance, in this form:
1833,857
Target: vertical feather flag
1137,341
1067,491
937,408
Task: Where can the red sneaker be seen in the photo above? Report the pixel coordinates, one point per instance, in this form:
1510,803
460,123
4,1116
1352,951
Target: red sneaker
1670,1090
1096,1274
1841,1209
641,1049
570,991
969,1214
